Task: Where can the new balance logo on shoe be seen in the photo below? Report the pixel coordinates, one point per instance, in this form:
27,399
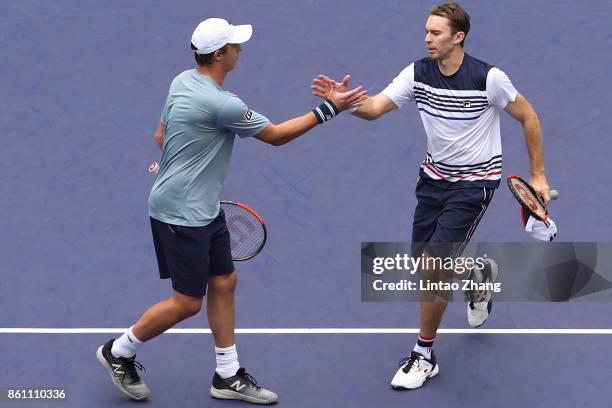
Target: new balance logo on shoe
123,372
238,386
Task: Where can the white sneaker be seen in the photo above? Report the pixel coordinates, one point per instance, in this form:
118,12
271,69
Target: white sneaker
480,301
414,370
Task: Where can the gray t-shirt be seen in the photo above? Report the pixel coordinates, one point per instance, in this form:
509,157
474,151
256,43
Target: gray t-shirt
201,122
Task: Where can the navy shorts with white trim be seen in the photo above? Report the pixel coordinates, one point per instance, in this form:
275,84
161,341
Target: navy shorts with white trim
447,216
189,255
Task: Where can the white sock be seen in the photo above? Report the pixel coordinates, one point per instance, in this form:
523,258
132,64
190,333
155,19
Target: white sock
227,361
126,345
424,346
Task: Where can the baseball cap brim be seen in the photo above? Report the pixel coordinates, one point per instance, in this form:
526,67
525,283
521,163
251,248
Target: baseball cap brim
241,34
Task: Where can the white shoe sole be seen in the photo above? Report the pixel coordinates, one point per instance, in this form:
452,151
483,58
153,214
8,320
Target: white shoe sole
104,364
429,376
233,395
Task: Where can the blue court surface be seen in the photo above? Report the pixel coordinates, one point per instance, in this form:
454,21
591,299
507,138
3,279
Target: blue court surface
83,85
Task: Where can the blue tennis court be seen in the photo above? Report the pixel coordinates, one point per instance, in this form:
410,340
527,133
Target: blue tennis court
83,87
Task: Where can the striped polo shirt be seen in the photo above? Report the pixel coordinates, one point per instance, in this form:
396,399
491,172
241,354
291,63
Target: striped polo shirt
460,114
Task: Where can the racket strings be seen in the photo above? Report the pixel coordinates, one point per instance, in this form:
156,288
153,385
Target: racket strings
247,234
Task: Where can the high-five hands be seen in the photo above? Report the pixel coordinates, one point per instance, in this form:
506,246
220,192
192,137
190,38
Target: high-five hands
327,88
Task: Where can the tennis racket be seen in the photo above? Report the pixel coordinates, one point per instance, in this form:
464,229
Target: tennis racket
247,229
528,198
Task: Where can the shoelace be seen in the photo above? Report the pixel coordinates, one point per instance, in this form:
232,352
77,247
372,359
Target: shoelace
410,360
250,379
473,296
129,366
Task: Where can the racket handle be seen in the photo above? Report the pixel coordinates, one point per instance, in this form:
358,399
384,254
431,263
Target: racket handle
153,167
554,194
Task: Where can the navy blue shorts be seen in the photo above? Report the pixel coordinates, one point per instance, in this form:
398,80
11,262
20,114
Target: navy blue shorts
448,216
189,255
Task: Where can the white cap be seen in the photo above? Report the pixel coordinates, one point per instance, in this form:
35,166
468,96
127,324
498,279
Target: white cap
213,33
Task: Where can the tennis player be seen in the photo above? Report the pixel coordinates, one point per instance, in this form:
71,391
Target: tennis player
459,99
196,134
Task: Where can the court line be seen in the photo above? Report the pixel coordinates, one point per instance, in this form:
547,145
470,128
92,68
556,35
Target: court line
97,330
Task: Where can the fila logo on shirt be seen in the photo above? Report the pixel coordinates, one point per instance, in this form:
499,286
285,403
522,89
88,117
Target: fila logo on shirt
238,385
248,114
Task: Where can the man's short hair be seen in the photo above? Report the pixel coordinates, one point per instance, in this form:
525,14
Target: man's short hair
458,18
206,59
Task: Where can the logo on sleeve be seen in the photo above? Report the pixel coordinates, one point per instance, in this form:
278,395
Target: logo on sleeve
248,114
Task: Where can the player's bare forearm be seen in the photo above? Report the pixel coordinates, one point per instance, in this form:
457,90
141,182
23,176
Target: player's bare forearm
285,132
337,102
367,110
533,139
374,107
522,111
296,127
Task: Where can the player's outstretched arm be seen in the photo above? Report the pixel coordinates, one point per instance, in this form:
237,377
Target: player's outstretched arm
285,132
372,108
522,111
